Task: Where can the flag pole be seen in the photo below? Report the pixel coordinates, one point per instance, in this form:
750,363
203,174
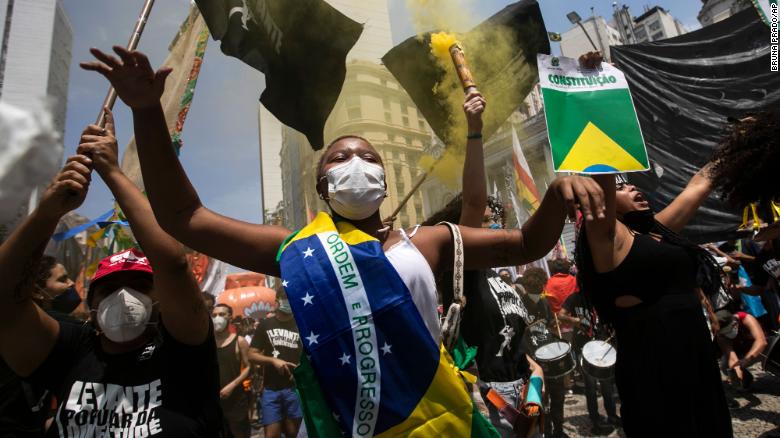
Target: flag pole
132,44
406,198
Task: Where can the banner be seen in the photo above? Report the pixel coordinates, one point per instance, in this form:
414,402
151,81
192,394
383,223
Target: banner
501,52
301,46
185,57
764,9
591,122
685,89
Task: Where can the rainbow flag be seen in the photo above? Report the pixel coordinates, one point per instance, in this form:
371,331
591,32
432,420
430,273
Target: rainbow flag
523,179
371,367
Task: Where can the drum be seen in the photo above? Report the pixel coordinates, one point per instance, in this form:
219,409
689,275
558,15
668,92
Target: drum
771,363
598,359
555,358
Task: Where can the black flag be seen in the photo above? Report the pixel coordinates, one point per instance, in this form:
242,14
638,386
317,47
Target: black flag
685,89
300,46
501,52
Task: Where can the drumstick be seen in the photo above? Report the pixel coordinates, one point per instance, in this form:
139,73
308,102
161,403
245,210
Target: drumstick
557,326
606,352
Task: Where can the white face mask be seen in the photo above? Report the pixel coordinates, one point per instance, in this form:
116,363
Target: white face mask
220,323
124,315
356,188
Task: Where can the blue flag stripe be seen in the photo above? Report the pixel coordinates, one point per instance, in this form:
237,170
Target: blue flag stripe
407,367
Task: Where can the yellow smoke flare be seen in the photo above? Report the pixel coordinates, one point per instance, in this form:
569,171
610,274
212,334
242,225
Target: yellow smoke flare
440,45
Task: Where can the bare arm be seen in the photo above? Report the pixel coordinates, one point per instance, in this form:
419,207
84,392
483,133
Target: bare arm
175,202
684,206
565,316
186,318
243,348
27,333
258,357
474,191
486,248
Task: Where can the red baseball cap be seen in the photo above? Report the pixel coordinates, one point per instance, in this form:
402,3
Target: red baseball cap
128,260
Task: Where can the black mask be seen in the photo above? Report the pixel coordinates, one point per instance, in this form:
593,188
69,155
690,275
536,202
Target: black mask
67,301
641,221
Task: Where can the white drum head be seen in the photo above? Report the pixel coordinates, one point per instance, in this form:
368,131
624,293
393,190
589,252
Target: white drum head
599,353
553,350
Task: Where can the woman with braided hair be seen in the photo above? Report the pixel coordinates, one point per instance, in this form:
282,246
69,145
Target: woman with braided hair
747,160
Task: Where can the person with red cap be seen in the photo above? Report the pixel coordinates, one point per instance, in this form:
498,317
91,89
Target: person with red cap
146,365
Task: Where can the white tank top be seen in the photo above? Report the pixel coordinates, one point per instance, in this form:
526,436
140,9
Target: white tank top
418,278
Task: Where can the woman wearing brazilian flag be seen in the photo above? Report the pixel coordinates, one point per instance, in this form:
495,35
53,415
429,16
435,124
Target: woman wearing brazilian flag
363,296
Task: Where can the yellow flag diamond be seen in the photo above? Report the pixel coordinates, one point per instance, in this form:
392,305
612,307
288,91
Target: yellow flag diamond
593,149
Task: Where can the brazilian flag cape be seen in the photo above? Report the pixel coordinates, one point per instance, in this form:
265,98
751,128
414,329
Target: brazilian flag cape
371,367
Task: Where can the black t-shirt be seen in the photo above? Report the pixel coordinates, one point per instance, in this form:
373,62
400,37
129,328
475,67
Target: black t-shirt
576,305
279,339
537,309
164,389
536,335
494,321
23,406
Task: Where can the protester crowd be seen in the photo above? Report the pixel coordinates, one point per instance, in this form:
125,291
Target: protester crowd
639,317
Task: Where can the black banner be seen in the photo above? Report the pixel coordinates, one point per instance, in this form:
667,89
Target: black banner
300,46
684,89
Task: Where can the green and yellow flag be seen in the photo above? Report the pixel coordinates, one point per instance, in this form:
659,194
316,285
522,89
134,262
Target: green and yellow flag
591,120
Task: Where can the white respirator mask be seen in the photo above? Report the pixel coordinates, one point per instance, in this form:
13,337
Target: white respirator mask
220,323
356,188
124,315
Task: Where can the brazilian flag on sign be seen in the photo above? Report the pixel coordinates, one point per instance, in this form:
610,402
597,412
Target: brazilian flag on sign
591,120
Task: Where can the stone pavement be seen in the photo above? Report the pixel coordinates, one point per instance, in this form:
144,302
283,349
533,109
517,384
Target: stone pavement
758,414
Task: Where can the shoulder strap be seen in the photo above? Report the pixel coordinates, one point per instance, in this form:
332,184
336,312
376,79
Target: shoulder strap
451,326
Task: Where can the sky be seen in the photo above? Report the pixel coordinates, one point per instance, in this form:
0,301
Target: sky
221,153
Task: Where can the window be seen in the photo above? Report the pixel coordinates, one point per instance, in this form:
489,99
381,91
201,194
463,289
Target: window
352,103
655,25
404,109
405,121
388,117
657,36
386,105
421,124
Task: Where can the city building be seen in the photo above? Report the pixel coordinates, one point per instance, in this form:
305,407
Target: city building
374,106
574,42
656,24
35,55
713,11
374,42
270,170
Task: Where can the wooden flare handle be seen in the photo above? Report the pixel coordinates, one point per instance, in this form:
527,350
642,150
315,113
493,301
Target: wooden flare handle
462,67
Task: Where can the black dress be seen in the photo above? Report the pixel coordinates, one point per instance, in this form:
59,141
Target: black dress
666,371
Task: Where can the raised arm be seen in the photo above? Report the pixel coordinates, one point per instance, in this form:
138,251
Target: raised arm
487,248
183,310
677,214
27,333
474,191
175,202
